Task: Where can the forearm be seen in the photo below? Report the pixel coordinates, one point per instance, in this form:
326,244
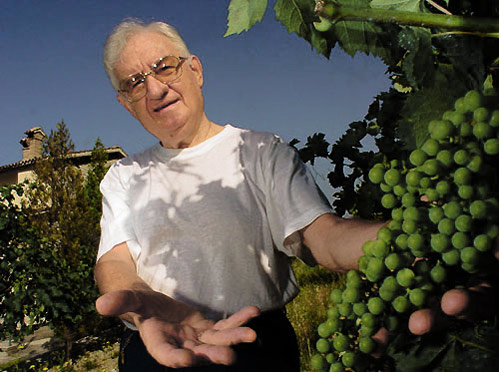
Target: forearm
336,243
126,295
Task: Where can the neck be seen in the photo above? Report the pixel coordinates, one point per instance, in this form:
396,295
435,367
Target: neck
205,130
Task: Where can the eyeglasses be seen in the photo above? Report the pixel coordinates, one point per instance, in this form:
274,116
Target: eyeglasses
165,70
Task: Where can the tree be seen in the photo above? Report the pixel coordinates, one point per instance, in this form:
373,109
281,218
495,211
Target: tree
51,262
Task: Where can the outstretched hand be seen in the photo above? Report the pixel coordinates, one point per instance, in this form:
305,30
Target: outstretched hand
183,337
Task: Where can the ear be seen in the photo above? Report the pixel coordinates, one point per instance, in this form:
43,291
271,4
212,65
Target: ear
126,104
197,68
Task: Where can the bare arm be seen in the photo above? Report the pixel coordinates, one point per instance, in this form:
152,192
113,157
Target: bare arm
174,334
336,243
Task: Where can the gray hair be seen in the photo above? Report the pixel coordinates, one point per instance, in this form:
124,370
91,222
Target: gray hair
122,33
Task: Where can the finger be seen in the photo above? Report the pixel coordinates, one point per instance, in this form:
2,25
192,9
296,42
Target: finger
163,342
238,319
421,321
117,303
477,301
227,337
211,353
382,337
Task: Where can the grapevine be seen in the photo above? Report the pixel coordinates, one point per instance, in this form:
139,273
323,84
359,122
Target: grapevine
444,207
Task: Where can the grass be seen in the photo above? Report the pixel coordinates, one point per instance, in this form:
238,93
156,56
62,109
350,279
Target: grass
309,308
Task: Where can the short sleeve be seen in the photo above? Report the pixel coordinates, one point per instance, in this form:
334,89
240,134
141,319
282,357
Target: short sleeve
116,222
293,199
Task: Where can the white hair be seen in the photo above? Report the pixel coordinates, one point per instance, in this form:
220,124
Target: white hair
119,37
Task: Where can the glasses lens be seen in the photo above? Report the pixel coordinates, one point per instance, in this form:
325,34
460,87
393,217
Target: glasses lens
133,87
167,69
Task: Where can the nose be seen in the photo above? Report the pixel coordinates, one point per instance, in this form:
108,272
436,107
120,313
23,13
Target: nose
155,89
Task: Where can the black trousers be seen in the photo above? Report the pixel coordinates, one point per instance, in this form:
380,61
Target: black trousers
275,349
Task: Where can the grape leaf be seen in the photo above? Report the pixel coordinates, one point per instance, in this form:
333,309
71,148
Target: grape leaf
428,104
244,14
418,63
404,5
367,37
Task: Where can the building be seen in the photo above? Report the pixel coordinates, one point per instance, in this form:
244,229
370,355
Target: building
11,174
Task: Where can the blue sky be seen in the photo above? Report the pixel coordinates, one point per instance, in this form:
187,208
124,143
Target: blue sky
264,79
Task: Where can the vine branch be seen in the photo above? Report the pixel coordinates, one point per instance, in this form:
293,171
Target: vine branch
333,12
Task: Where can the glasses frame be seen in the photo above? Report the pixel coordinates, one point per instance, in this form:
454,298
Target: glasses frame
144,75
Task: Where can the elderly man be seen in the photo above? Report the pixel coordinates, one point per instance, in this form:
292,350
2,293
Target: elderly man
198,231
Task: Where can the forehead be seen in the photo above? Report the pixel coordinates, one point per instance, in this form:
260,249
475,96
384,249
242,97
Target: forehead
141,51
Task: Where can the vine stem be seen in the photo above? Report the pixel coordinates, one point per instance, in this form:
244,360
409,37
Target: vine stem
336,12
472,344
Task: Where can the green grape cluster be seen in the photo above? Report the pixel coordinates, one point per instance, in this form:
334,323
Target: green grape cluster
444,208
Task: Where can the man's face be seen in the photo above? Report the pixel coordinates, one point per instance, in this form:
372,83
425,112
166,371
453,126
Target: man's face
167,111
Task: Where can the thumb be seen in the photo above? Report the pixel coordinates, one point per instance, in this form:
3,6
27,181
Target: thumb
117,303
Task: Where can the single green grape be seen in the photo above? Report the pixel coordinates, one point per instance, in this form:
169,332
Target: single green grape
441,129
461,157
445,158
443,187
481,114
405,277
415,241
341,342
345,309
318,363
470,255
472,100
438,274
431,167
336,296
380,249
417,157
482,242
401,241
430,147
465,129
464,223
491,146
439,242
350,295
475,164
348,359
359,308
324,330
462,176
392,177
322,345
460,240
465,192
436,214
401,304
411,213
478,209
494,119
451,257
376,174
408,200
452,209
353,279
393,261
333,312
375,305
389,201
482,130
417,297
366,345
336,367
412,177
446,226
409,226
397,214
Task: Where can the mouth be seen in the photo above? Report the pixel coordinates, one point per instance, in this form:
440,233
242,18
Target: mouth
164,106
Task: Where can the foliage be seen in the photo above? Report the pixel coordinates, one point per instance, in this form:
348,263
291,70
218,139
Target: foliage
51,243
430,67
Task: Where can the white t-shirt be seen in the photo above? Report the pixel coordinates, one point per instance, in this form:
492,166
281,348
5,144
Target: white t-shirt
214,225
